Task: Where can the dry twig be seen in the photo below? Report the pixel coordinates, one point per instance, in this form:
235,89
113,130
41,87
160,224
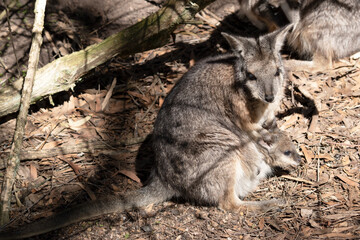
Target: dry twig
14,160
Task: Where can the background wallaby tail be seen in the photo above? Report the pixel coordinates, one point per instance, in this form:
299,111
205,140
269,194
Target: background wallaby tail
155,192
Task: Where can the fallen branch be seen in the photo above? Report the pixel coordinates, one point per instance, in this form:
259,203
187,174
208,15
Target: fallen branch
63,73
81,147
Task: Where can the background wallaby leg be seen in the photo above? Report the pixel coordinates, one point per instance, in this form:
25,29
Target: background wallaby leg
263,205
319,63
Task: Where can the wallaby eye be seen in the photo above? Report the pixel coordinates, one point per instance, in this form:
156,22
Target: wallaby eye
250,76
287,153
277,72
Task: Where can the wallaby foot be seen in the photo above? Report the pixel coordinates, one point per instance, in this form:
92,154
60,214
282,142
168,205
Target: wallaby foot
231,202
241,206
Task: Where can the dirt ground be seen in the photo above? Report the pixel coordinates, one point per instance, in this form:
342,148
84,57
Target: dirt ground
320,112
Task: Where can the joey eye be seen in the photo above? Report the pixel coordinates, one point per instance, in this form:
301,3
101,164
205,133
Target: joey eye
277,72
287,153
250,76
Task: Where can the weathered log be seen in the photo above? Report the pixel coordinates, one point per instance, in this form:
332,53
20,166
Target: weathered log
81,147
63,73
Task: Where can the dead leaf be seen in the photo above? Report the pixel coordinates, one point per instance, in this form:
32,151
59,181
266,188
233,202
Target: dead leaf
75,125
52,144
34,198
24,173
289,121
351,182
345,160
90,99
261,223
130,174
342,215
343,229
33,172
140,96
116,106
115,188
308,155
306,213
105,103
314,126
74,166
314,224
98,98
339,236
325,156
161,101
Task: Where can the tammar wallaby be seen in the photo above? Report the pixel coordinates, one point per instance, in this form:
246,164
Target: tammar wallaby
207,136
324,31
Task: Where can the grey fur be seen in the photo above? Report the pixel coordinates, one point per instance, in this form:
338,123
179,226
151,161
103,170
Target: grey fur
329,28
205,151
324,30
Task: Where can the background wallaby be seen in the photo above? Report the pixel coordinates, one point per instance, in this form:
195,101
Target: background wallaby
326,31
234,166
323,31
206,137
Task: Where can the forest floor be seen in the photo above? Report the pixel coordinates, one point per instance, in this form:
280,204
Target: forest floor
94,141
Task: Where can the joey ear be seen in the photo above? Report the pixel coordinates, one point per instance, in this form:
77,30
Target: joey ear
278,36
269,140
236,43
264,144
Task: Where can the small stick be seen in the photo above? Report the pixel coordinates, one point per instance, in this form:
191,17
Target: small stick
318,161
14,160
297,179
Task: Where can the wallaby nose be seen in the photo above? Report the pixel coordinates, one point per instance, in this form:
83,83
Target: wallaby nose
269,98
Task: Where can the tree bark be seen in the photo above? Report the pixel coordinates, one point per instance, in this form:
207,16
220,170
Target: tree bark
63,73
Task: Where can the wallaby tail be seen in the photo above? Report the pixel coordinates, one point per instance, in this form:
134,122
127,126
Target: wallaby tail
155,192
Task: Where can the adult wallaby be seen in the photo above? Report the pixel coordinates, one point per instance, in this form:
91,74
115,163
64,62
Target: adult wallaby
327,30
208,136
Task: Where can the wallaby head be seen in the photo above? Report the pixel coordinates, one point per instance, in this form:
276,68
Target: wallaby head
281,152
262,69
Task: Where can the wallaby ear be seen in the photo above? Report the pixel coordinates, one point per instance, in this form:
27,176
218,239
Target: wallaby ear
278,36
236,43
